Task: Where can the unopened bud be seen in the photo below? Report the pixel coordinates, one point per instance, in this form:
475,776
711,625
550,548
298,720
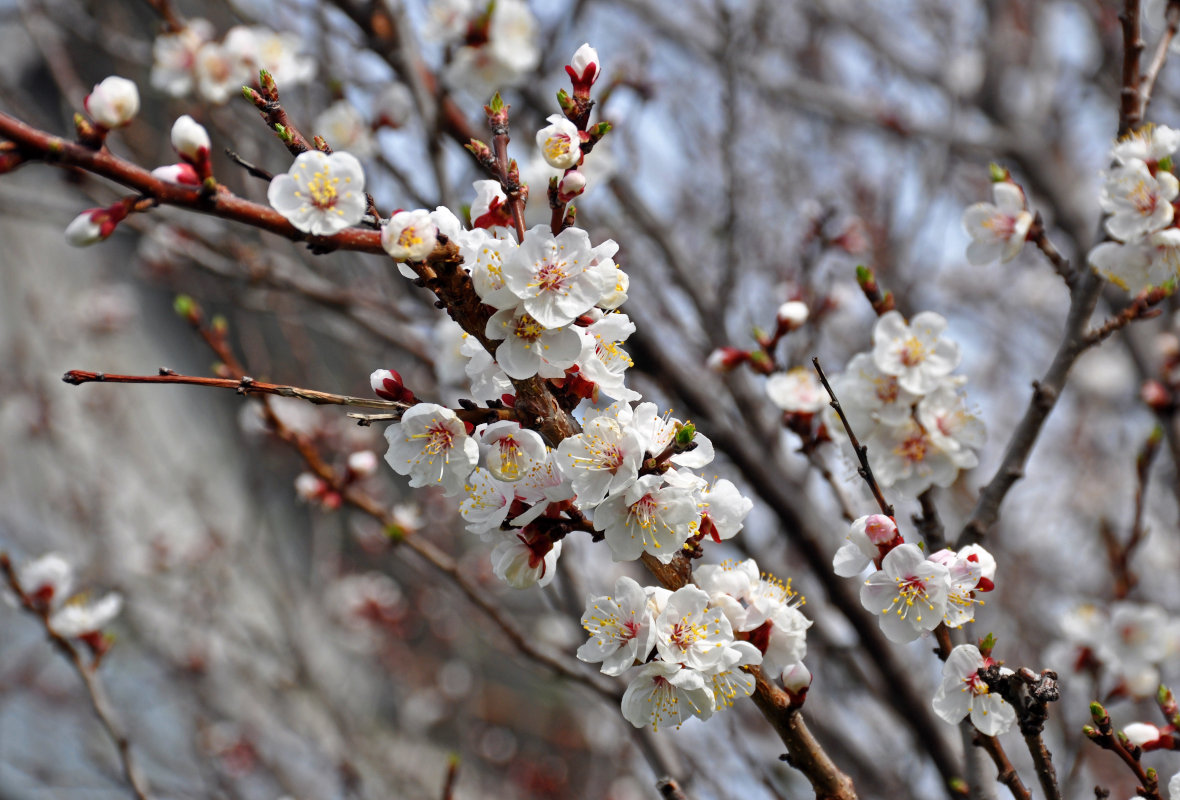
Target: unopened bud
387,384
113,103
182,173
84,230
792,315
796,678
1155,395
584,69
309,487
880,529
573,183
724,359
362,463
1141,734
190,139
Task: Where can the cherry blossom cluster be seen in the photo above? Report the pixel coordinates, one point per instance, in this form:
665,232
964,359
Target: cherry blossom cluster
905,405
191,59
913,593
496,43
701,635
1122,646
1137,196
45,585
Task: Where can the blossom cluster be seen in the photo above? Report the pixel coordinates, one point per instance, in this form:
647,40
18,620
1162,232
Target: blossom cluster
1137,196
191,59
701,635
1122,645
905,405
911,591
46,584
496,42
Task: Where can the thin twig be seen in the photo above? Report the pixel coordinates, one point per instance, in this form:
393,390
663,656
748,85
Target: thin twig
1005,772
448,792
1142,307
1130,107
89,675
862,452
244,386
1147,82
1038,236
252,170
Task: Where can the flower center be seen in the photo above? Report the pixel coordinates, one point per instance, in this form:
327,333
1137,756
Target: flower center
528,328
322,188
913,352
551,276
511,457
557,147
912,449
439,439
409,237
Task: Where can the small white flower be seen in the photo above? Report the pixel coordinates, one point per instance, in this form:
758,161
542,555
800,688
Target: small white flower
510,451
688,632
727,679
431,445
219,72
113,103
521,564
529,348
394,106
798,390
963,578
175,54
723,510
869,396
47,579
962,692
647,517
1136,267
602,459
664,693
559,277
1141,733
909,592
916,352
1174,787
79,619
952,428
559,142
190,139
602,360
792,314
656,432
1000,230
864,535
488,381
1138,202
321,194
343,127
1151,143
279,54
362,463
620,628
409,235
487,503
490,209
904,458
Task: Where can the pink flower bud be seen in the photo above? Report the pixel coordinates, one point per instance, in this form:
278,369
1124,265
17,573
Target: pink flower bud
573,183
1141,733
362,463
583,70
1153,393
387,385
880,529
182,173
724,359
113,103
190,140
793,314
796,678
309,487
85,230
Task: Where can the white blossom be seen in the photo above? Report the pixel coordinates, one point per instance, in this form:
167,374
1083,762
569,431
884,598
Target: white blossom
175,54
861,547
688,632
664,693
620,628
219,72
999,230
559,142
909,593
723,510
727,679
76,619
559,277
602,360
430,444
797,390
321,194
487,503
1138,202
1151,143
962,692
603,459
647,517
951,427
916,352
113,102
521,564
906,459
510,451
343,127
529,348
409,235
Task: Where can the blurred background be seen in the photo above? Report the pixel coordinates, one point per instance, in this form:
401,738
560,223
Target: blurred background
272,646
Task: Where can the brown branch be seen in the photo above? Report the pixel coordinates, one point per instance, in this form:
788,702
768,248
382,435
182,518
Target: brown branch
38,145
1130,107
1142,307
669,789
1038,236
1102,734
862,452
1005,772
89,675
244,386
275,116
448,792
1147,82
